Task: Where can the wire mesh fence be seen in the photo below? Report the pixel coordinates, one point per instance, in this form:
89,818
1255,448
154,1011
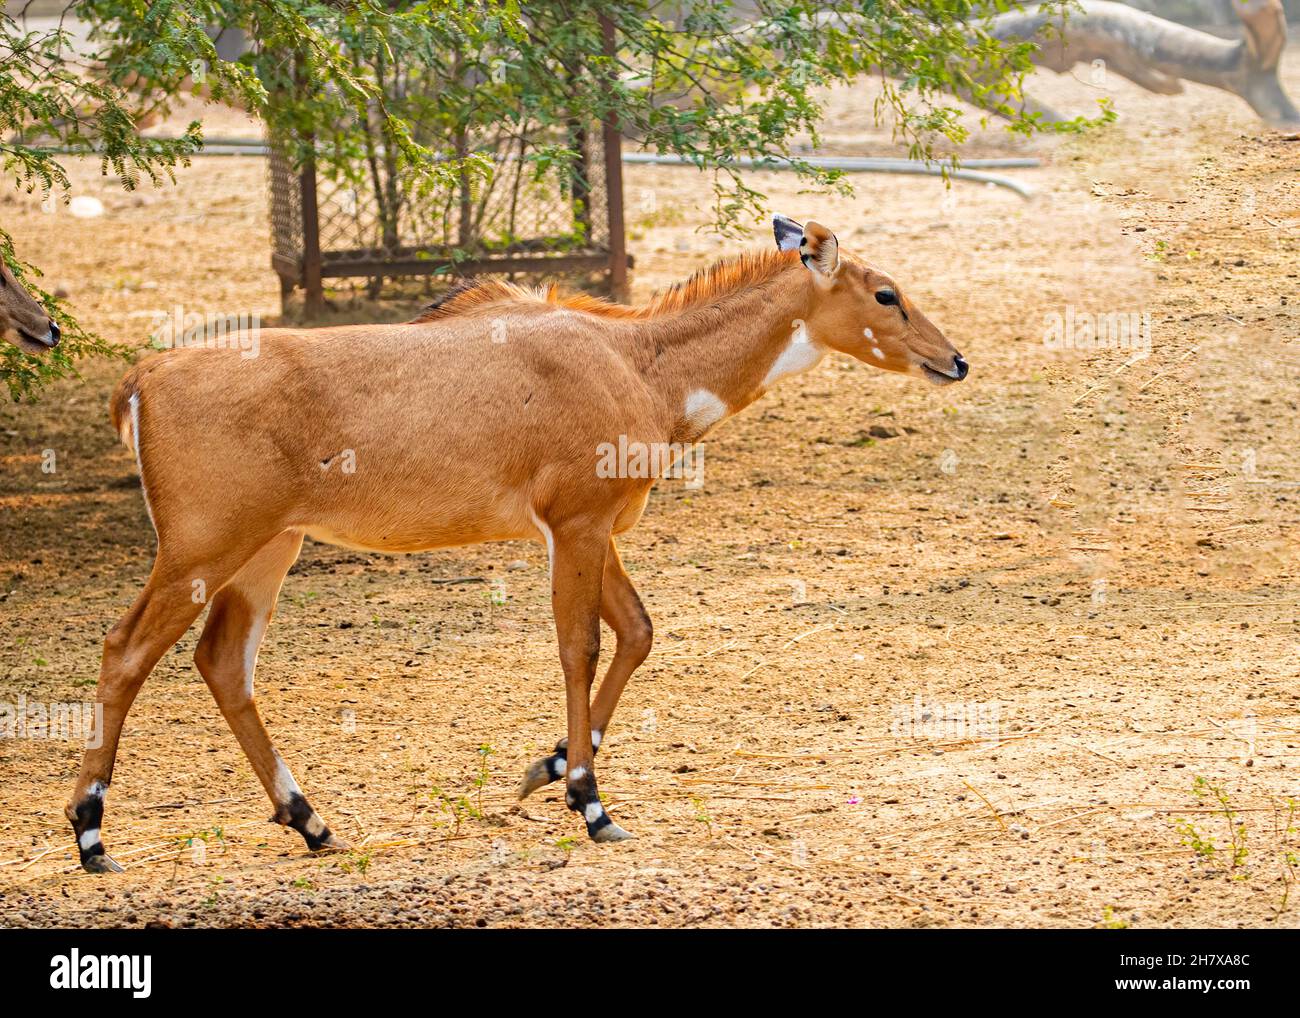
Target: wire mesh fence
546,207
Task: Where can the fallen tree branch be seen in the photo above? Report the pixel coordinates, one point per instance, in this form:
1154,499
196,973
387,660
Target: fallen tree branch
1160,55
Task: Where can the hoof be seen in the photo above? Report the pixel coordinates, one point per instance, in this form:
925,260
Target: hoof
610,832
298,814
100,864
540,772
534,778
332,843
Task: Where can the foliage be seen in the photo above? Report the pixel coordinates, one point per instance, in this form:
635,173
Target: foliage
1230,858
60,97
24,374
710,85
49,98
692,78
710,91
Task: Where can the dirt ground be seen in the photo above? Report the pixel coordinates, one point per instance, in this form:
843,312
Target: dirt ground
924,657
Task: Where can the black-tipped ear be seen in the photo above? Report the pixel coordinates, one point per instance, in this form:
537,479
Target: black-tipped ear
788,233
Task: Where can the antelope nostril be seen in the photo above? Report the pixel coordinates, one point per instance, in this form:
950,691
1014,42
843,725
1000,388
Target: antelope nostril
959,362
54,333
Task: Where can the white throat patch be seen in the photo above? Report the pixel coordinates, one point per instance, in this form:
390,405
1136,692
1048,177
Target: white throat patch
802,354
702,411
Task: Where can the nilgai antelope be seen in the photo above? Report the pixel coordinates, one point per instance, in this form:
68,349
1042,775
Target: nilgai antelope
480,420
23,321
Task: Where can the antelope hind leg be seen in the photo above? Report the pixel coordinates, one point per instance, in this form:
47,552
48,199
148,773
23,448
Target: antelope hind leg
227,658
157,619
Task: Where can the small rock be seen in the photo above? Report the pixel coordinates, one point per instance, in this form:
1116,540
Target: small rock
83,206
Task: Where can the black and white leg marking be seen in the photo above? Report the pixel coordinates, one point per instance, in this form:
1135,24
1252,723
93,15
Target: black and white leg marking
551,768
87,817
581,796
293,810
298,814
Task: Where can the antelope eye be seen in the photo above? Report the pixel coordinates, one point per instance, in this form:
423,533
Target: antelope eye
886,297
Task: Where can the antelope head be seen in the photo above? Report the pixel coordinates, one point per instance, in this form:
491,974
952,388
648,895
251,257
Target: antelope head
860,311
23,321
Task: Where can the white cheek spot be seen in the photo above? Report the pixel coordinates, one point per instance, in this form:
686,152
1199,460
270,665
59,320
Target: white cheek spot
703,410
577,773
799,356
596,736
877,353
593,812
97,789
561,765
89,840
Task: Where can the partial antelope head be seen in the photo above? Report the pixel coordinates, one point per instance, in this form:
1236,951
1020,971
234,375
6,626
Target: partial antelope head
860,310
23,321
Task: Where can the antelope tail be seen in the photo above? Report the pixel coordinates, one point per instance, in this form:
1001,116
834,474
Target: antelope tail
124,411
120,407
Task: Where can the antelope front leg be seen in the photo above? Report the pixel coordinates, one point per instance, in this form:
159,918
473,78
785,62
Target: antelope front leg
622,610
577,565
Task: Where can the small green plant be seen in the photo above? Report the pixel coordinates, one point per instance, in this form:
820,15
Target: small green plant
1288,855
354,860
1231,857
418,778
460,807
303,884
457,807
484,774
702,814
1109,922
196,844
566,845
214,892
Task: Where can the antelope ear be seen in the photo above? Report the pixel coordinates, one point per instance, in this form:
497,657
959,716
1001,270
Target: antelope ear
788,233
819,249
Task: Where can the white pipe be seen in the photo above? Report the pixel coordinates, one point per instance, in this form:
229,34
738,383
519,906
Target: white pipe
849,164
853,164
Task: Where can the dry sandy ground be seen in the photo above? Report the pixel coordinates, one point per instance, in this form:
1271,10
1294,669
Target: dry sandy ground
924,657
